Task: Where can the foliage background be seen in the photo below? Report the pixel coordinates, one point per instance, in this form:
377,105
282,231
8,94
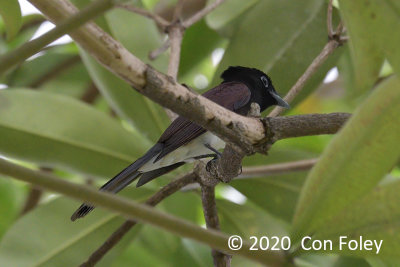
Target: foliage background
62,110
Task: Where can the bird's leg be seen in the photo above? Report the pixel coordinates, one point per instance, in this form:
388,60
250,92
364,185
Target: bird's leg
217,156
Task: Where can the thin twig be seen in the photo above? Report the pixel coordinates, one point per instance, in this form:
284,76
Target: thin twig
154,54
279,168
28,49
314,66
34,195
178,10
329,20
202,13
115,237
90,94
55,71
186,24
160,21
212,222
175,36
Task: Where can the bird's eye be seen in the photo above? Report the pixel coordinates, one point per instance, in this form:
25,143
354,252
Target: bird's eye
265,81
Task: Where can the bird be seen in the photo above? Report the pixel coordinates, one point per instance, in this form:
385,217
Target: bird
185,141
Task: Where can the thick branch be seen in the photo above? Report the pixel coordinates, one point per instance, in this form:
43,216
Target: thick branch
304,125
243,131
212,222
136,211
72,22
165,192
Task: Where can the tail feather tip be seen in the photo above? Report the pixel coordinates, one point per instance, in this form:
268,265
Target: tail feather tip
82,211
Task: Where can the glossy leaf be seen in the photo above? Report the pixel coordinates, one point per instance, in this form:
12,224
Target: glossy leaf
224,18
144,114
354,162
57,131
371,31
10,12
360,219
10,194
56,241
281,47
276,194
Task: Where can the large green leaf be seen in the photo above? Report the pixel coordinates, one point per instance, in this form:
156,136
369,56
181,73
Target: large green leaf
282,47
277,194
10,194
57,131
225,18
10,11
47,237
361,219
354,162
370,24
144,114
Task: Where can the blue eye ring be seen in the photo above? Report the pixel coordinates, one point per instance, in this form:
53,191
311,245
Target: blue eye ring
265,81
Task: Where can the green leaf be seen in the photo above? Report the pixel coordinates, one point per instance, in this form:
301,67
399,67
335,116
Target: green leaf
126,27
9,203
281,47
354,162
47,237
361,219
247,220
225,18
148,117
10,11
370,25
56,131
367,58
277,194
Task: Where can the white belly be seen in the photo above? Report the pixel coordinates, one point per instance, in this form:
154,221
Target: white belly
186,153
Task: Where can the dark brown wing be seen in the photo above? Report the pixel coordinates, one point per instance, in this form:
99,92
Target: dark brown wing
231,95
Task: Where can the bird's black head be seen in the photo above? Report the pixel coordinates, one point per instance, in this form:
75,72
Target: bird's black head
260,85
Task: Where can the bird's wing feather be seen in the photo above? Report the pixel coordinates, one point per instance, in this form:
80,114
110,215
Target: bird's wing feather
230,95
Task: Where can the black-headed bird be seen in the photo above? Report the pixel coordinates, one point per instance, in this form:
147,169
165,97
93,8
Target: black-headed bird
185,141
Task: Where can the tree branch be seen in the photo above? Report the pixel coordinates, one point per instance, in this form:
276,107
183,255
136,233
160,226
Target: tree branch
136,211
212,222
30,48
160,21
165,192
202,13
314,66
55,71
279,168
229,126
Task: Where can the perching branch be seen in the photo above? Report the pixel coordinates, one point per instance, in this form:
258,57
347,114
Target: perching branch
70,23
136,211
165,192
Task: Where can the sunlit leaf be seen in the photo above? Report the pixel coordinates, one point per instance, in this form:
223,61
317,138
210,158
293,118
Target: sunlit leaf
57,131
354,162
281,47
47,237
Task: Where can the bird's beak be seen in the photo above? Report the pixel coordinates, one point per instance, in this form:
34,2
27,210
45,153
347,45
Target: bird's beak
280,100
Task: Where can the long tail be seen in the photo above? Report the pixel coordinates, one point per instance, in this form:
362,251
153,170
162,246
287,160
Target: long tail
120,181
